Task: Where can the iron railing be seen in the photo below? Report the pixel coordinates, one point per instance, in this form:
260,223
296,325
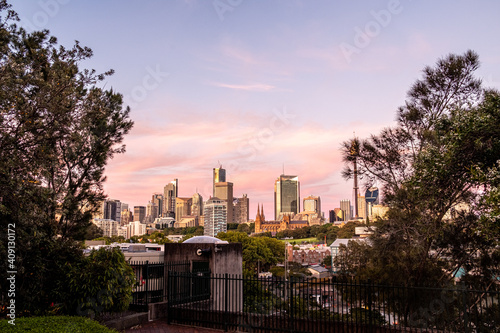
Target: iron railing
269,305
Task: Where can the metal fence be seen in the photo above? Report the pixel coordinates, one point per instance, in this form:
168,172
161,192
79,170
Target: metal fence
268,305
151,281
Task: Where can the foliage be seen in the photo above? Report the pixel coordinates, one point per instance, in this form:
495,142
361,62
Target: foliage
256,298
263,251
431,166
58,129
100,283
364,316
317,231
54,324
246,228
327,261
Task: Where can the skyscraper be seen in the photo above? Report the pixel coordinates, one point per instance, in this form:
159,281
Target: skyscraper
111,210
312,204
345,205
139,213
286,195
224,191
157,199
241,209
219,176
182,207
197,205
170,192
215,212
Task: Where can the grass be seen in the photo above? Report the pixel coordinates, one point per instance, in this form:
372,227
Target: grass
58,324
299,241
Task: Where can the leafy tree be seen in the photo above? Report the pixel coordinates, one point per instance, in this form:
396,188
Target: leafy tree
429,164
58,129
263,251
101,282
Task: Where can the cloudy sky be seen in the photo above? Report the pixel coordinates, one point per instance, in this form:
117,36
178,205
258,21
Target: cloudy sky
260,85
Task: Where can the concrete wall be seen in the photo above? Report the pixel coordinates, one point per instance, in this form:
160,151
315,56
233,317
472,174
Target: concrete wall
222,259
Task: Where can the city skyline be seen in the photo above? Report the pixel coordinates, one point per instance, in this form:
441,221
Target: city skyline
208,85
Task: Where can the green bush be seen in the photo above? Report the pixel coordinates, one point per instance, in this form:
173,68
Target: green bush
102,282
60,324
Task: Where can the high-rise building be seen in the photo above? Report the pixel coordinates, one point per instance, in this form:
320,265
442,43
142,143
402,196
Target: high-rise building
224,191
362,211
345,206
136,229
286,195
126,217
241,209
312,204
197,205
139,213
109,227
170,192
215,213
111,210
151,212
157,199
219,177
182,207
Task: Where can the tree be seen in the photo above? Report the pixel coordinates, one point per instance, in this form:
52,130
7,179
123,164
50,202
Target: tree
112,291
257,251
448,132
58,129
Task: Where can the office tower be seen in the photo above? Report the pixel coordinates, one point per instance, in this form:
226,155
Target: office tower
111,210
312,204
362,207
286,195
151,212
224,191
170,192
241,208
126,217
215,213
345,206
157,199
332,217
139,213
124,206
219,176
197,205
182,207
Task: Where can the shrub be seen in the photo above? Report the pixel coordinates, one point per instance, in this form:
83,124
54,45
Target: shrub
102,282
54,324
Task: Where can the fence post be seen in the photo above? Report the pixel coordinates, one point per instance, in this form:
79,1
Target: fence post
291,300
147,283
168,298
370,323
226,293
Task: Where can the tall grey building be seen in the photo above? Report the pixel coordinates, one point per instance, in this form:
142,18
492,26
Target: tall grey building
139,213
345,206
170,192
215,212
111,210
196,205
241,210
286,195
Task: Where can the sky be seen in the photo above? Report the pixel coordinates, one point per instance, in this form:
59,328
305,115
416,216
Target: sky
260,86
